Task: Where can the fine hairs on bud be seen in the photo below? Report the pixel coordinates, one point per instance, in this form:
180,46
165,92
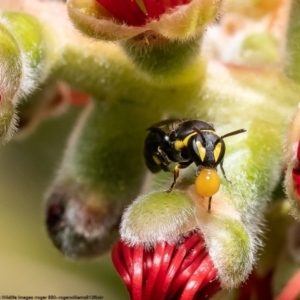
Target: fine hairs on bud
157,217
81,223
28,78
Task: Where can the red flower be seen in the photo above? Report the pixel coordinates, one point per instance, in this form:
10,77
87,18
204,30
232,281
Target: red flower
181,271
257,287
131,13
296,172
292,290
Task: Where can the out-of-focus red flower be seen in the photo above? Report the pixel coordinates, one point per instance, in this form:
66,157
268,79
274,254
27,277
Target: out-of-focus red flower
181,271
292,290
256,287
131,13
296,172
78,98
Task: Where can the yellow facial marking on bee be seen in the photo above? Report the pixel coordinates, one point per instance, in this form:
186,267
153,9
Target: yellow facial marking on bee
156,159
185,141
201,150
217,151
180,144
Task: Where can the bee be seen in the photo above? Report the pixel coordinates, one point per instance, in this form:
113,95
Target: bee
184,142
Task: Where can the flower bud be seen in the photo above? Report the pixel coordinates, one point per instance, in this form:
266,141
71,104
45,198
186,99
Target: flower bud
112,20
10,81
157,216
161,253
81,222
101,172
25,63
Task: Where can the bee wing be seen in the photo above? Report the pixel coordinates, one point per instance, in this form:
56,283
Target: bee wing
166,126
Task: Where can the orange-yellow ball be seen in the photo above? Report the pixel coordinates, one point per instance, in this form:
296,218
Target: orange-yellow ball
207,182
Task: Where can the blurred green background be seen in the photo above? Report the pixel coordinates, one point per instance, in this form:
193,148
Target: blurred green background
30,265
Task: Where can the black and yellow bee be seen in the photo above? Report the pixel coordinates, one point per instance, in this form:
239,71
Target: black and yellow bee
185,142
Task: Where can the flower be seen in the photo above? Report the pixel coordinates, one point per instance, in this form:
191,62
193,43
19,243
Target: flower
292,159
292,289
296,172
256,286
182,270
130,12
121,19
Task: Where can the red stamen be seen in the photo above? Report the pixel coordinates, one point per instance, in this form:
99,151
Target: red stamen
148,257
182,278
168,272
127,252
160,280
157,258
177,261
209,290
192,255
137,274
195,281
119,263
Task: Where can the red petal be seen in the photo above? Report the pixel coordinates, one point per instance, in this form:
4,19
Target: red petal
127,11
155,8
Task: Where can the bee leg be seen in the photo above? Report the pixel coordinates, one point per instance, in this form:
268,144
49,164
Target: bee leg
161,159
223,172
163,156
176,173
209,204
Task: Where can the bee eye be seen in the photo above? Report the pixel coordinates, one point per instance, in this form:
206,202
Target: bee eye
207,182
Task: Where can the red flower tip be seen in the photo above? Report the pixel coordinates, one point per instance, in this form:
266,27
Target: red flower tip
296,172
181,271
131,13
292,290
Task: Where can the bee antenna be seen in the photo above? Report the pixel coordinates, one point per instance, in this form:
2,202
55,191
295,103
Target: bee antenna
200,133
233,133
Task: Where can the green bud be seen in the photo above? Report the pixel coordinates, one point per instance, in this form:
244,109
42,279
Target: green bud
230,246
157,216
